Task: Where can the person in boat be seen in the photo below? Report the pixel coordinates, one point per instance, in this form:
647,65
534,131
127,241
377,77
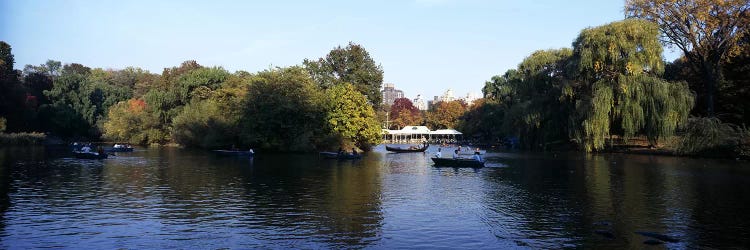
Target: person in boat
117,146
251,151
455,154
86,149
341,151
354,151
477,157
438,154
100,150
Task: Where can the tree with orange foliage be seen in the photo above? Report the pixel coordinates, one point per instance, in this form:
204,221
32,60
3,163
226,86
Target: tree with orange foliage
404,113
445,115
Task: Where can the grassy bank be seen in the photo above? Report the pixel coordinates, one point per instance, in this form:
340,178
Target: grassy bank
21,139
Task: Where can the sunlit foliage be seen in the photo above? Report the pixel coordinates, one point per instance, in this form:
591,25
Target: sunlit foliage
706,31
351,64
445,115
350,117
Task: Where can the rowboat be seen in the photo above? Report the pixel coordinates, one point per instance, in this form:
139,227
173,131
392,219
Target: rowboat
122,149
457,163
334,155
407,150
234,152
89,155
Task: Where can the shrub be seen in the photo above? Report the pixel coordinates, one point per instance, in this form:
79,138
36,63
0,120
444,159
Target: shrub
708,136
20,139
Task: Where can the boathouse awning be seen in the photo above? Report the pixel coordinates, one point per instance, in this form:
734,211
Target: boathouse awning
445,132
419,130
415,130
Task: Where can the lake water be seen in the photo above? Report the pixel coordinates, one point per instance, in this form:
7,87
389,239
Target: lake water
176,198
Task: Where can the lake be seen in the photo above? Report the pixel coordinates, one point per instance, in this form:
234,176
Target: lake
178,198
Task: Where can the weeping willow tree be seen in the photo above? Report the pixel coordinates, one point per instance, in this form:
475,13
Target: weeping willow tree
538,117
618,89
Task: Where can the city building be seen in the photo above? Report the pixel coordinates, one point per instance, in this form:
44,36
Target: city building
419,103
432,102
447,96
390,94
470,98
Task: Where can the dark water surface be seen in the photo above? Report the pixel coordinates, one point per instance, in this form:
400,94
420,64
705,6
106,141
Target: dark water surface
174,198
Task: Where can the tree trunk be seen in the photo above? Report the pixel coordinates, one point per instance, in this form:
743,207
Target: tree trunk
711,76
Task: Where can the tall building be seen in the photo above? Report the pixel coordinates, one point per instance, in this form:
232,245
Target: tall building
419,103
432,102
470,98
447,96
390,94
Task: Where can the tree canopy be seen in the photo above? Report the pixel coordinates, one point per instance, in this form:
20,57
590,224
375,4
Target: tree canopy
706,31
350,117
351,64
445,115
403,113
609,83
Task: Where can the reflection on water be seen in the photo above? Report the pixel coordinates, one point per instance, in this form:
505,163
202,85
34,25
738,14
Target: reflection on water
173,198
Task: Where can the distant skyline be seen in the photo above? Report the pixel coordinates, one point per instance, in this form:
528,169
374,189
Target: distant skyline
424,46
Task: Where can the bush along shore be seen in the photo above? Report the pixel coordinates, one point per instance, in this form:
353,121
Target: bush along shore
22,139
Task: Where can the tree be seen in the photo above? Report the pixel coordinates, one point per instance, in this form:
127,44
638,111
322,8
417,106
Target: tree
349,116
444,115
503,88
735,91
618,88
127,121
170,75
539,114
483,120
352,64
8,85
283,111
706,31
70,112
198,83
213,122
403,113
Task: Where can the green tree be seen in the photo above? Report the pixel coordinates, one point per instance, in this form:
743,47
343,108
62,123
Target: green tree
198,83
128,121
736,90
351,64
161,107
403,113
213,122
503,88
69,107
706,31
538,114
283,111
9,86
483,120
618,89
349,116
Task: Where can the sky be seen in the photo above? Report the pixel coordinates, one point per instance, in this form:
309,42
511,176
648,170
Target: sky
424,46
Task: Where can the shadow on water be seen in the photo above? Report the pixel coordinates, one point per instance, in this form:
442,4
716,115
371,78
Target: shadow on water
602,200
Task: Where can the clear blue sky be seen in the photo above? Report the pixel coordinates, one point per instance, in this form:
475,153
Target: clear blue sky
424,46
